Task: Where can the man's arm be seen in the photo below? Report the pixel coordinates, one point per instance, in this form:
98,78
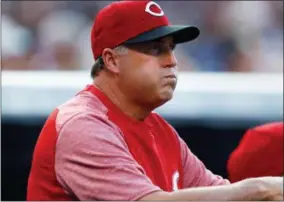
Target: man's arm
208,186
266,188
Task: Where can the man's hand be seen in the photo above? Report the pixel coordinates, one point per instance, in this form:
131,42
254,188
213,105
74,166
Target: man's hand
271,188
274,186
275,198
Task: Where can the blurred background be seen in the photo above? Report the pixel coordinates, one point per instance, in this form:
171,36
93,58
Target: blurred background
235,36
230,77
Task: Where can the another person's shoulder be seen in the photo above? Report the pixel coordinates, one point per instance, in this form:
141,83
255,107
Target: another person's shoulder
273,128
264,135
259,153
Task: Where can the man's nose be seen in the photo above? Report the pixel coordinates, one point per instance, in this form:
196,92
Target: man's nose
169,60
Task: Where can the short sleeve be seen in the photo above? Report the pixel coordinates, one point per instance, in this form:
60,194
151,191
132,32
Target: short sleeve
92,162
195,173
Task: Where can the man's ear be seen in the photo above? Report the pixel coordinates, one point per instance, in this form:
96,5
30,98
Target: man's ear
110,60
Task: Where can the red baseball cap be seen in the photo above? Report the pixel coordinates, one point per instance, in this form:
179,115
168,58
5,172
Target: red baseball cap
259,154
125,22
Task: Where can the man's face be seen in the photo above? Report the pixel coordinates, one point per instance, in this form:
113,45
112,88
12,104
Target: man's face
148,72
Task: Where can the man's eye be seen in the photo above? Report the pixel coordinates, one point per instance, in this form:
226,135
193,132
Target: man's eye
156,47
156,50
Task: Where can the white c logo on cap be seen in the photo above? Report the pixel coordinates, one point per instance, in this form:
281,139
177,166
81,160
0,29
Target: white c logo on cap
152,3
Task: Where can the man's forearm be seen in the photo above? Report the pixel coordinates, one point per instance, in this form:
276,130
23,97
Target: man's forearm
236,192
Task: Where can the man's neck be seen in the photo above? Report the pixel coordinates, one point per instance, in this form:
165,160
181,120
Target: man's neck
123,102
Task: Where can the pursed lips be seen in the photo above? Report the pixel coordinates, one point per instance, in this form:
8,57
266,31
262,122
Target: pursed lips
172,76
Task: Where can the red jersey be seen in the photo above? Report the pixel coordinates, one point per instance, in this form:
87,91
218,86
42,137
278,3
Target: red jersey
90,150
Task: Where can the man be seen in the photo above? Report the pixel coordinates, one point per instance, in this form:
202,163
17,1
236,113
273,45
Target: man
260,153
107,144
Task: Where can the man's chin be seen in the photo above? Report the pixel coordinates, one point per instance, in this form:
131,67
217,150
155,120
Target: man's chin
166,96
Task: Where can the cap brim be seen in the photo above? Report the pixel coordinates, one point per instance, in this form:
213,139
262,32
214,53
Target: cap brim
180,34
